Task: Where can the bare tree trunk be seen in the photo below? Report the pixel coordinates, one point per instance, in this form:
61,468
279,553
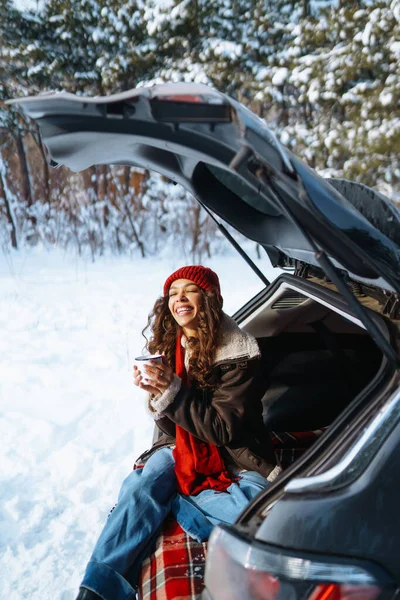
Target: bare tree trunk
102,171
128,213
9,215
103,191
46,170
126,178
25,179
90,184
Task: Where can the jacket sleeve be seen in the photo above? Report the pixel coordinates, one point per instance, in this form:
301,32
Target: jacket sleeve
166,425
219,417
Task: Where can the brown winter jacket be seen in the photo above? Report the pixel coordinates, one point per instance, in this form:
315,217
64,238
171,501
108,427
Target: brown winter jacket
230,416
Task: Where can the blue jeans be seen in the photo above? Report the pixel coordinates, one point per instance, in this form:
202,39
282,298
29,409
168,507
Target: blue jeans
197,515
147,496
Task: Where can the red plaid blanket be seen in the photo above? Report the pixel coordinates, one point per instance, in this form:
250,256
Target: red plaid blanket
289,446
175,570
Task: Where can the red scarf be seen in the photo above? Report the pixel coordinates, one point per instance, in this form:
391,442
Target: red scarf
198,464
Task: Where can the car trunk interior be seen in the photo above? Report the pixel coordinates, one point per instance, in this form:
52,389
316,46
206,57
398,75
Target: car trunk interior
316,360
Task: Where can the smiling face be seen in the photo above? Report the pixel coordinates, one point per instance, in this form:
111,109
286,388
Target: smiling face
185,300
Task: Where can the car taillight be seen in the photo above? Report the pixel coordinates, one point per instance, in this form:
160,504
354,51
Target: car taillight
332,591
238,569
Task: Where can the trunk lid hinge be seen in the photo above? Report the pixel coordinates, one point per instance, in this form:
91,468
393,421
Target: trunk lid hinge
302,270
391,307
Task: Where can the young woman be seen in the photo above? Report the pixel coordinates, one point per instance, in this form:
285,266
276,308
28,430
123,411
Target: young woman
214,454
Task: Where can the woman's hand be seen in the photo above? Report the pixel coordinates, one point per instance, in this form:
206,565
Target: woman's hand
158,377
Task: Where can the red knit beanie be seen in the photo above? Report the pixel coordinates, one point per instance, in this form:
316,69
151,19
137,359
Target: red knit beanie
201,276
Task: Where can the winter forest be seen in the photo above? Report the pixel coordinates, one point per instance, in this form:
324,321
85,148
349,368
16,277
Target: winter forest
324,75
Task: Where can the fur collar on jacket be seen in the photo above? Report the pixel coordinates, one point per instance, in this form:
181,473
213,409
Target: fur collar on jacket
235,342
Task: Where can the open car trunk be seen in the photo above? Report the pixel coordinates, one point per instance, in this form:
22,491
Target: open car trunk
315,359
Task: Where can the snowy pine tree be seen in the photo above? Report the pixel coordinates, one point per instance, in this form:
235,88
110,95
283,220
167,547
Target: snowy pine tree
324,75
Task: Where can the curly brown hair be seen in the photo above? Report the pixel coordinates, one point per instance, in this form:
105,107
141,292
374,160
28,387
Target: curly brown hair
164,330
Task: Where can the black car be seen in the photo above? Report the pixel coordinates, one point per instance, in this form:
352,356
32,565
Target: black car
328,527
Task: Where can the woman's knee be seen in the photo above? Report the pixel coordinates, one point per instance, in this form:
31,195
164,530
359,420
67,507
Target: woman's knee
159,464
129,484
158,472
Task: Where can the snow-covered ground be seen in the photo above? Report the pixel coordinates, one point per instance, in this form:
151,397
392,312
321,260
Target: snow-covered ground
71,421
